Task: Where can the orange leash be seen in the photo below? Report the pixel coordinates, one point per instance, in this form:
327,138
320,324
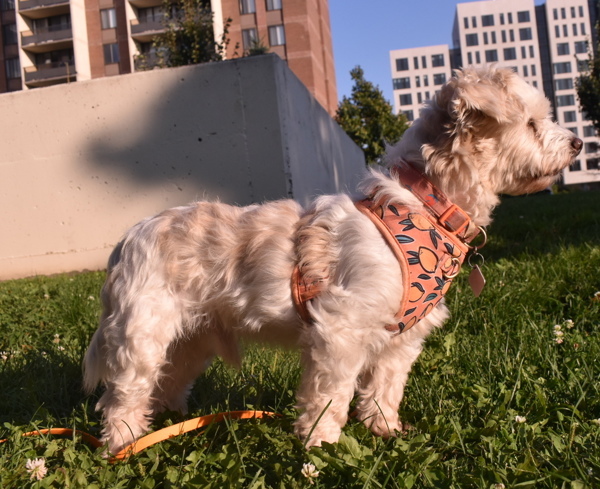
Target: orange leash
158,436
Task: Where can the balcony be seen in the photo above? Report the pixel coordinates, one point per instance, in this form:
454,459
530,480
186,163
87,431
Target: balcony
146,3
49,74
44,40
145,31
37,9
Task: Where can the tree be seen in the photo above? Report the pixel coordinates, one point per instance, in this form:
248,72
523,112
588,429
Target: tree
189,37
368,118
588,88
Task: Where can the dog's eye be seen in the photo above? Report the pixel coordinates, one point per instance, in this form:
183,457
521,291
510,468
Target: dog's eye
532,125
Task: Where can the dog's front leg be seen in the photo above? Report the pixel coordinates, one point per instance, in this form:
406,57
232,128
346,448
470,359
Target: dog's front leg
331,364
382,384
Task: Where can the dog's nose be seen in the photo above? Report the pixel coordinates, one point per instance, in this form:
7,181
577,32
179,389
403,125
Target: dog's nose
576,144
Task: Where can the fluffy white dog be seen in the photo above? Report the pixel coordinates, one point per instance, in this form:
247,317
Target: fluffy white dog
187,284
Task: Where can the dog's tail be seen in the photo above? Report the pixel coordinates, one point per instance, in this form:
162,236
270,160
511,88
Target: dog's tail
94,362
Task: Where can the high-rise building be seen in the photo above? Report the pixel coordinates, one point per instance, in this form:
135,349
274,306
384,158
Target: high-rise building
547,45
47,42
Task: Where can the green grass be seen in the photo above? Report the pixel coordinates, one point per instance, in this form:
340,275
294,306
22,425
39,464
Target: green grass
496,360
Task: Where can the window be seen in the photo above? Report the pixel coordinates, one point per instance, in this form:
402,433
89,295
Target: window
247,6
556,31
400,83
523,16
7,5
533,73
525,34
563,84
111,53
574,29
424,61
591,148
563,13
13,68
276,35
249,38
583,33
472,40
573,130
419,98
470,58
150,14
511,35
565,30
9,34
487,20
273,4
562,48
406,99
593,164
477,57
510,17
109,18
531,52
418,81
409,115
503,36
493,37
525,71
485,38
565,100
555,13
510,53
523,52
502,19
474,21
416,62
589,131
466,22
439,78
402,64
572,12
437,60
426,82
491,55
582,65
570,116
562,67
580,11
581,47
576,166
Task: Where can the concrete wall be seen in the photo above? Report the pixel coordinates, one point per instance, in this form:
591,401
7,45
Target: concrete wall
83,162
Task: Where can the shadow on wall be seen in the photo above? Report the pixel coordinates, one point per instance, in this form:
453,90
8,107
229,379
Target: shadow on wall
238,131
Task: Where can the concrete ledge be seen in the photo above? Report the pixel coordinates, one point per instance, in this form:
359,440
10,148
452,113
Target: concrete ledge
83,162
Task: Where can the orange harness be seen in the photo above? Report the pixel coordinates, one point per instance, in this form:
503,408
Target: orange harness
430,247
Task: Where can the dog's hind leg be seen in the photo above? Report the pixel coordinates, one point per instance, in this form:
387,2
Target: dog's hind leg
137,337
382,384
188,358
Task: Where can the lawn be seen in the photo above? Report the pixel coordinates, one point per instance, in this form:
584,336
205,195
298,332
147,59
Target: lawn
506,395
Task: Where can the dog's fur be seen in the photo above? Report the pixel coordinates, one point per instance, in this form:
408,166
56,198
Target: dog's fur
185,285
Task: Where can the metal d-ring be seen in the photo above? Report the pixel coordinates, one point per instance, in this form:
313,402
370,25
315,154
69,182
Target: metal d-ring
455,266
481,245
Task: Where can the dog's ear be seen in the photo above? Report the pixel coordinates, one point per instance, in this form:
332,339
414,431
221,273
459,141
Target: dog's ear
473,95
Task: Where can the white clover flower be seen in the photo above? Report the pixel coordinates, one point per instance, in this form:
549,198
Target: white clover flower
597,295
558,333
60,348
596,421
310,472
557,327
91,298
46,296
520,419
36,468
56,338
499,486
569,323
558,341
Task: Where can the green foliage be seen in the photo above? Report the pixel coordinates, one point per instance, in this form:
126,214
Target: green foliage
495,400
368,118
588,88
189,37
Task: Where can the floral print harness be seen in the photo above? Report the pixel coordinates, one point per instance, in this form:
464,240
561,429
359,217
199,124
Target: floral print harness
430,246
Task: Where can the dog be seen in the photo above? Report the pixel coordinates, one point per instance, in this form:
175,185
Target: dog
189,283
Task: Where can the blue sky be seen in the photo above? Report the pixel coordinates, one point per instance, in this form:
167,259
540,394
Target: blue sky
365,31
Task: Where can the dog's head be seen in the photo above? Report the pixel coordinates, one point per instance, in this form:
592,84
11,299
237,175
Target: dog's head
488,132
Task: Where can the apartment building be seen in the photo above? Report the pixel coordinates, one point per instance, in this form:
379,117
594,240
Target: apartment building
546,44
48,42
